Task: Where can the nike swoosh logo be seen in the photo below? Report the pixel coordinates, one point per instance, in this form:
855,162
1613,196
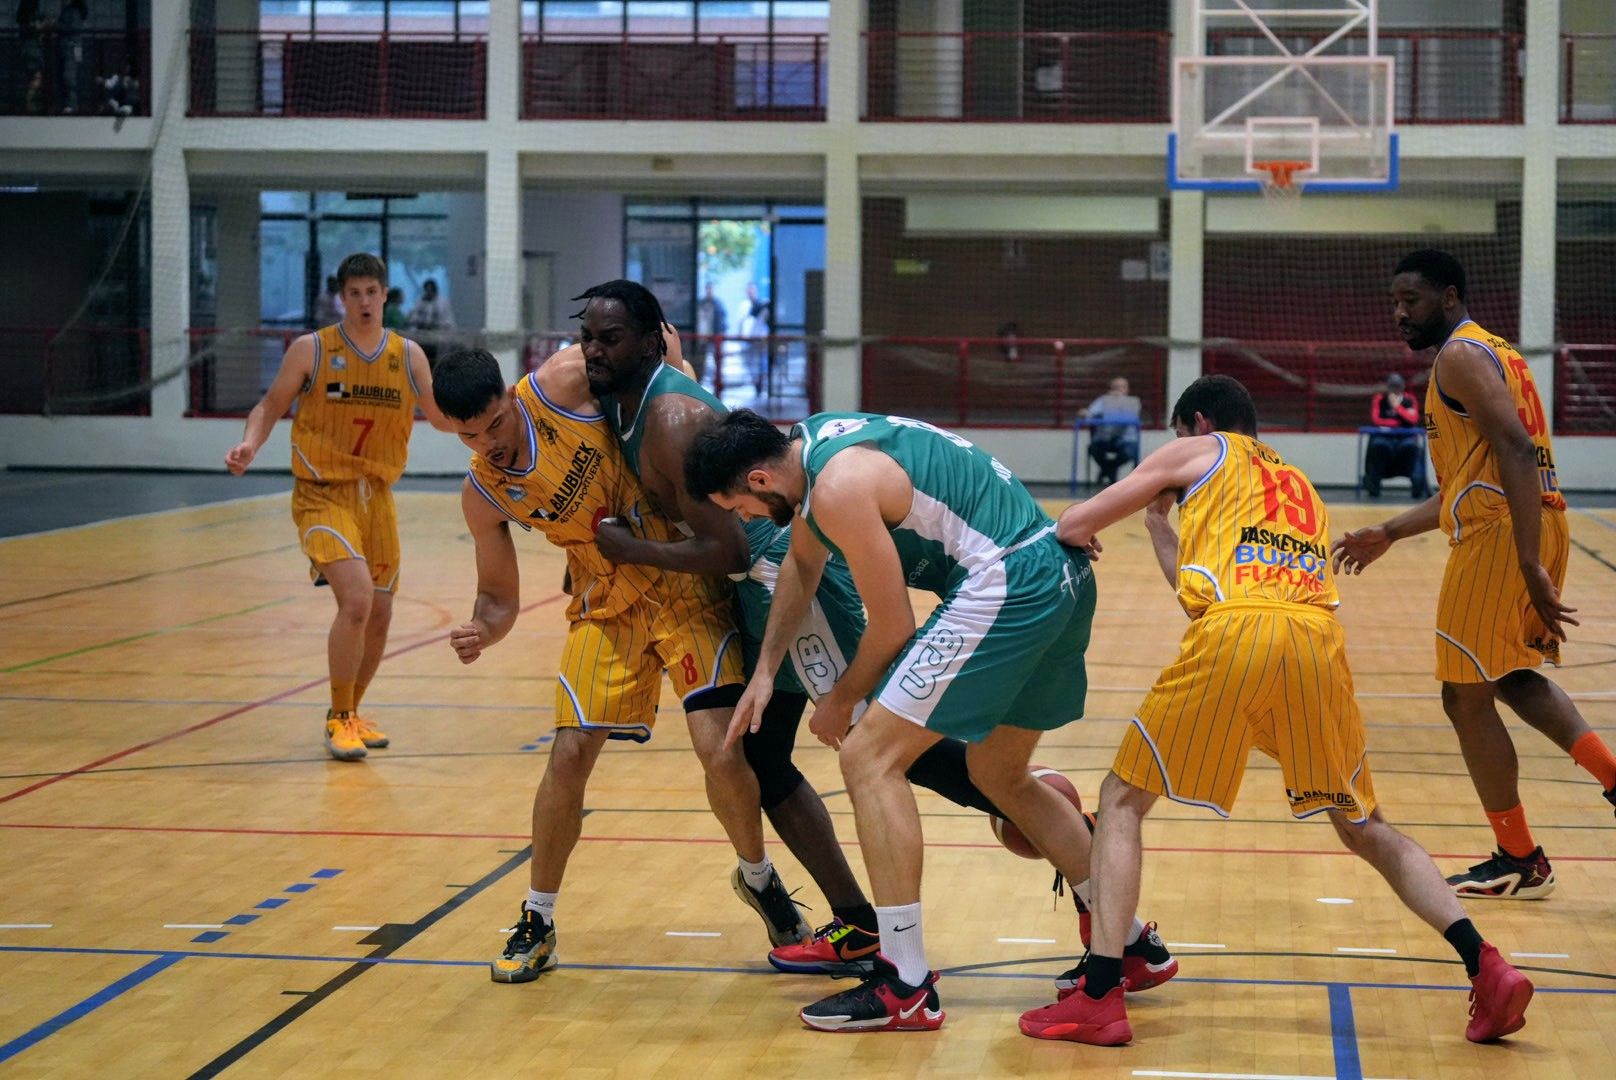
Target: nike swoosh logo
901,929
904,1014
854,954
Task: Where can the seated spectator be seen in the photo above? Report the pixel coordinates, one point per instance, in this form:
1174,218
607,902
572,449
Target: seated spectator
393,311
1111,444
1393,455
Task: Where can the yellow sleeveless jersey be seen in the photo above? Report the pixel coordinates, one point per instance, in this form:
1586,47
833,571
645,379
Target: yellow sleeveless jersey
1466,467
1252,528
575,477
355,416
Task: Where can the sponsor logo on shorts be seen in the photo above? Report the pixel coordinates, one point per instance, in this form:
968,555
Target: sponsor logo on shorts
1343,800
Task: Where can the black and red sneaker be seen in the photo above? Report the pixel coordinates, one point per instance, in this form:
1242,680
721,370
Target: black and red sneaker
838,949
1145,963
882,1002
1505,877
1610,796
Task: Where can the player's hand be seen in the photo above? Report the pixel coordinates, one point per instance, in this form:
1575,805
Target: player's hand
239,457
613,538
748,715
830,721
1546,600
1357,549
467,641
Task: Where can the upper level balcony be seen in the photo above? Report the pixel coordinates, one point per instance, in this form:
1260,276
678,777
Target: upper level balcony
91,73
1588,79
310,73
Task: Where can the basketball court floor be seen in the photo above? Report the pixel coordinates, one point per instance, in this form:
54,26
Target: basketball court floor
192,887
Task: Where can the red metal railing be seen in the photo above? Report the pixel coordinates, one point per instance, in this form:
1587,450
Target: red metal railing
1443,76
1592,59
1091,78
1315,385
778,376
401,75
1008,382
1585,390
88,371
67,79
674,77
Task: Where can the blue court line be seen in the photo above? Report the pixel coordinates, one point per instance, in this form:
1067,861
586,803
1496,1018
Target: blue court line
39,1033
699,969
270,904
1344,1033
208,937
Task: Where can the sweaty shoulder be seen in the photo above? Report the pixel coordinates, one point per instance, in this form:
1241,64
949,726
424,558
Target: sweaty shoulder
565,383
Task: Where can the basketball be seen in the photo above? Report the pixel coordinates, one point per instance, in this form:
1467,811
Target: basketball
1011,837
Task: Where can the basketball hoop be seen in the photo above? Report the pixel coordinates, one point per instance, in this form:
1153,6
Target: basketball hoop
1284,178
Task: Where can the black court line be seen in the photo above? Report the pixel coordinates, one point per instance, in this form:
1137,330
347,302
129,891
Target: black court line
388,940
148,574
1594,555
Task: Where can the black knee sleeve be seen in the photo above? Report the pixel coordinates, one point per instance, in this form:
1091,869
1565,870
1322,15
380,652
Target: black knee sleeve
768,749
943,769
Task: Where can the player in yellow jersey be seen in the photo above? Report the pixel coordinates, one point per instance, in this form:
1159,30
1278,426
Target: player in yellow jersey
546,459
1500,613
356,386
1263,663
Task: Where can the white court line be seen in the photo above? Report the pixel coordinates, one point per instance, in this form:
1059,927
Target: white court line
1542,955
1356,949
694,933
1027,941
26,925
1228,1076
145,514
365,928
193,926
1334,900
1193,945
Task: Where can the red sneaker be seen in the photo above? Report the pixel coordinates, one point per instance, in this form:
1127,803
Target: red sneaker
1080,1018
1145,963
882,1002
838,949
1498,998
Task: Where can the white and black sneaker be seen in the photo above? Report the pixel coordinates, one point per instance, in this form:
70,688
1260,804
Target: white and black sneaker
784,922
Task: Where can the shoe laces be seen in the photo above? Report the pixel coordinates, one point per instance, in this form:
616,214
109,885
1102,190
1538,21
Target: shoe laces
781,906
529,928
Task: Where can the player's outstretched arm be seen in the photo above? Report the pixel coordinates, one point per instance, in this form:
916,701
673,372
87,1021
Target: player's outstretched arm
297,367
421,375
499,590
1171,469
1470,374
718,543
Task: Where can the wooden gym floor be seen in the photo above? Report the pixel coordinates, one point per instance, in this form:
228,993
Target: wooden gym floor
188,885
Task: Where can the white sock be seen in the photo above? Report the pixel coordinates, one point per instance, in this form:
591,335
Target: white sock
1084,891
756,873
542,902
901,941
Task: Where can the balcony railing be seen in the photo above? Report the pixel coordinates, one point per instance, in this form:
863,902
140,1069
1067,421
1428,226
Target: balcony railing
1085,78
1315,385
1443,76
88,371
1004,382
674,77
1588,71
411,76
1585,390
48,76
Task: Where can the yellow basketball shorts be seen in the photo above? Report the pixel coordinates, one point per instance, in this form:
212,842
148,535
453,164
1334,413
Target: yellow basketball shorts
611,669
1486,625
353,519
1253,673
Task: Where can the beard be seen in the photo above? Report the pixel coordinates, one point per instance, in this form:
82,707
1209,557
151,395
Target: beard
781,511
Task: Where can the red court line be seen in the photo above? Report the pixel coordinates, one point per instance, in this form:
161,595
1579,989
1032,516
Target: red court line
237,711
392,835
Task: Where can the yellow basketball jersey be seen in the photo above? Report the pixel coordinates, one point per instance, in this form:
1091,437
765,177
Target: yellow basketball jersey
1252,528
1466,468
575,477
355,416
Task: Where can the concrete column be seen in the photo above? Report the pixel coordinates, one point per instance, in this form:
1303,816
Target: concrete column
1540,193
844,218
502,208
1187,244
170,215
844,64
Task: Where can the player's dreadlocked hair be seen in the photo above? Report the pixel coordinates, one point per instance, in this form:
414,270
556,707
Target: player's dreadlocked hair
644,310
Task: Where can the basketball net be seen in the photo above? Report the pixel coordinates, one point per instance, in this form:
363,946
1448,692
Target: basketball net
1282,179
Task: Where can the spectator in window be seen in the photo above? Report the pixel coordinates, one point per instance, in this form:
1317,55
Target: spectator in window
1393,455
328,310
1010,342
712,323
755,324
1114,438
432,311
31,26
70,40
120,93
393,311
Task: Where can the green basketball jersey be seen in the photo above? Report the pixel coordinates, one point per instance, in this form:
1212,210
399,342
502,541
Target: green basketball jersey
968,509
631,429
829,636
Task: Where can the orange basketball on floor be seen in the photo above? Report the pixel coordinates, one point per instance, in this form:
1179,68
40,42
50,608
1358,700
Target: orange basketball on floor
1011,837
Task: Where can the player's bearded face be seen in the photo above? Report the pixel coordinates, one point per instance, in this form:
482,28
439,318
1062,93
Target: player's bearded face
780,509
1418,311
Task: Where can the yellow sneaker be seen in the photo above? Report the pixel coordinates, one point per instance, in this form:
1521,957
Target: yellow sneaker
369,734
342,736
